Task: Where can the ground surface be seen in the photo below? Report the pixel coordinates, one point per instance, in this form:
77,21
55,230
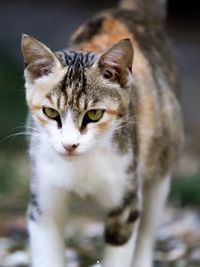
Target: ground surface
177,241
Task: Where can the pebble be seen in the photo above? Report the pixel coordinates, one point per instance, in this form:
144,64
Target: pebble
96,265
6,243
194,257
17,258
71,257
177,245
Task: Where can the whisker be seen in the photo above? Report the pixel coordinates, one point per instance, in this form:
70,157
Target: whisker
23,126
125,123
17,134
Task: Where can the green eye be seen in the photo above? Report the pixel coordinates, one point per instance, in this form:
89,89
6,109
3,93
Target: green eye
51,113
94,115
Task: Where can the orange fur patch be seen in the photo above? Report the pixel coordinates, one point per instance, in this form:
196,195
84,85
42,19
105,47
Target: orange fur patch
112,31
42,121
113,112
103,125
35,107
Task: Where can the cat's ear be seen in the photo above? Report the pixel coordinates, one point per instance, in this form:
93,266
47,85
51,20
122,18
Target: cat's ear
39,60
116,63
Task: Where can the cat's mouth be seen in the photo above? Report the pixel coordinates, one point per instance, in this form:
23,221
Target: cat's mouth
71,155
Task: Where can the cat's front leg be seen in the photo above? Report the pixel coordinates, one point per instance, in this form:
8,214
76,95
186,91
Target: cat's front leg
46,219
121,233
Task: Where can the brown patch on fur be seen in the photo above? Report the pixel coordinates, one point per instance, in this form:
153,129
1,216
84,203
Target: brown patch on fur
134,215
35,107
113,112
116,234
42,121
48,96
103,125
111,32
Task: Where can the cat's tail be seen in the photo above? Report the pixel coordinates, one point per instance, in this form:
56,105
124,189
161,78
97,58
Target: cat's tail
152,9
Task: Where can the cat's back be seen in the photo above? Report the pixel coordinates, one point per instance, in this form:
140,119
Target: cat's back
152,50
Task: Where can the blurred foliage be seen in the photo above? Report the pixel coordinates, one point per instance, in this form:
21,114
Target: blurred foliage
13,171
12,99
13,181
13,165
185,190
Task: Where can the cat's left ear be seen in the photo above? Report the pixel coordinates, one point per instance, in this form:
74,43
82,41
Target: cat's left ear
39,60
116,63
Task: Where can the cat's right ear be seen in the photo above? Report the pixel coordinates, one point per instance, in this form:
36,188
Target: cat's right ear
39,60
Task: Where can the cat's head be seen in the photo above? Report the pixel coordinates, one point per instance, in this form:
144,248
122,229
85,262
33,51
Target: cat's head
78,99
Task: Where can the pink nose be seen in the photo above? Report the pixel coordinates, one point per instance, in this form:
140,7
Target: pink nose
71,147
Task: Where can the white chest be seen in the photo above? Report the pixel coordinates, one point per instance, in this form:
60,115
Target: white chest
102,174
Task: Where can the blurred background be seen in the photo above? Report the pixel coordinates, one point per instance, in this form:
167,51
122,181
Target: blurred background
52,22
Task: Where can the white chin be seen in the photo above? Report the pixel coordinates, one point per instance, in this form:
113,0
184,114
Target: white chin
68,155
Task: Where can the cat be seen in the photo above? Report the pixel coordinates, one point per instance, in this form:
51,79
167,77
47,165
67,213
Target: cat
105,121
